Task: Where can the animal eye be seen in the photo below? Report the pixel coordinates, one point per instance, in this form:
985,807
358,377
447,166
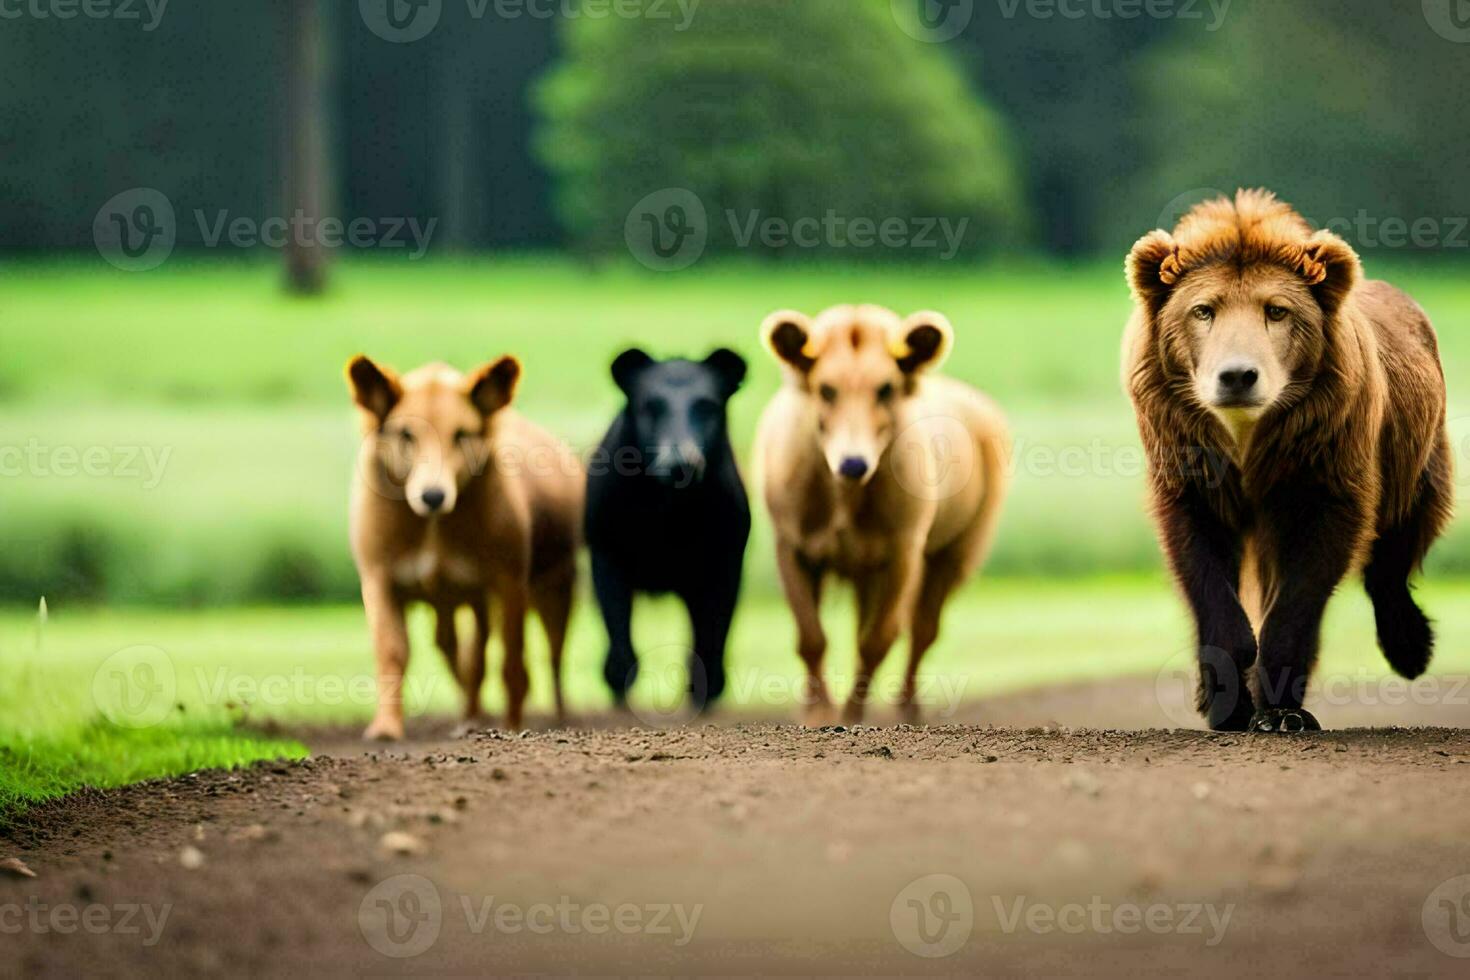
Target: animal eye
885,393
463,435
705,408
1202,312
1277,313
404,437
828,393
656,407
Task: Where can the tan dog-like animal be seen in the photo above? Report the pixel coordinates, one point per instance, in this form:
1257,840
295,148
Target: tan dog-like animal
458,498
878,470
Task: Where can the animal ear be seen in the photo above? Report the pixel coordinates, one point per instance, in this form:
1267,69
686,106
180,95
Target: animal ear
375,389
1331,268
923,342
787,334
1153,269
493,386
729,367
627,366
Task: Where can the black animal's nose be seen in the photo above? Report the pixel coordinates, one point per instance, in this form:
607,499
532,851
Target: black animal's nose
1238,380
433,499
853,467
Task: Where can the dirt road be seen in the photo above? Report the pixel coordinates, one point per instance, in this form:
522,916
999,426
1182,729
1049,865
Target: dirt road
760,848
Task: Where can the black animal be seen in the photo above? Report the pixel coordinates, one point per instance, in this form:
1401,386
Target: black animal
667,511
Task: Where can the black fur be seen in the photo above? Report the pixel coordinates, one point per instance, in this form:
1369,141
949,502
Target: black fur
1205,555
1405,634
1309,530
659,521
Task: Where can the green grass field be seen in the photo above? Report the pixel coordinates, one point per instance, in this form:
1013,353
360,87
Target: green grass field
176,449
105,697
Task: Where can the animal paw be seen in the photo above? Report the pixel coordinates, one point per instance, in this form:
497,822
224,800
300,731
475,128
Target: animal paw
469,726
1239,716
384,730
1284,721
818,714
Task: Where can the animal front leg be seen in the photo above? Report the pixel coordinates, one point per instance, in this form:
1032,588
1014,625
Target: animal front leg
615,599
884,596
711,611
802,584
513,604
472,662
1205,557
390,650
1311,540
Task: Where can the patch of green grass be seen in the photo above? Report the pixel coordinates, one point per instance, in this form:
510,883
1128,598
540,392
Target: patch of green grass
101,699
100,755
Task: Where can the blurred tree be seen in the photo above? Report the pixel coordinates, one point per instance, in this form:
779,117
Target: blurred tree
304,184
1066,88
771,109
196,108
88,110
1350,111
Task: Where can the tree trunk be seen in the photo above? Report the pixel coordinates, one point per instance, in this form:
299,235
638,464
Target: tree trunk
305,166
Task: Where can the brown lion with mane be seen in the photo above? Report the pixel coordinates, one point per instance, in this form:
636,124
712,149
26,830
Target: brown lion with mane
1293,415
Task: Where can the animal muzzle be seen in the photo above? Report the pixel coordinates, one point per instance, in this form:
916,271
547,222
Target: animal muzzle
851,464
1236,385
679,463
431,498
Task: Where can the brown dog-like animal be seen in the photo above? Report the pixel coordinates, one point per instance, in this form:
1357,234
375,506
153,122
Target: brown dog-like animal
880,471
458,498
1294,419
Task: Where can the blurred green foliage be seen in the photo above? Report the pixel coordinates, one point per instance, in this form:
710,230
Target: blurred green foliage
777,109
1353,112
1073,123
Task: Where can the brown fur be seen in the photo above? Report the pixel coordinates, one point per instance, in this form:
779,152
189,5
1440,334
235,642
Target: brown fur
509,525
917,522
1344,457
